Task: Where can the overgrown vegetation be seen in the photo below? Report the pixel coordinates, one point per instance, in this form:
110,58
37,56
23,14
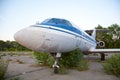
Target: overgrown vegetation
11,46
112,66
111,38
44,59
3,68
68,60
71,59
74,59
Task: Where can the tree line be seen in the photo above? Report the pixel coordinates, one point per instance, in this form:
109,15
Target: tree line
111,39
11,46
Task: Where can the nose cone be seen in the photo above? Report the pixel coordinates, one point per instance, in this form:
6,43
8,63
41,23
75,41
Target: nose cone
18,36
22,36
30,37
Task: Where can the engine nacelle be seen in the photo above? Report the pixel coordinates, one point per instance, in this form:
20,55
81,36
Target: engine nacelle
101,44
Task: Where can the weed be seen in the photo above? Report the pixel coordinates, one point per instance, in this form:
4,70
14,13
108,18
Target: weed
16,78
2,54
19,61
3,68
44,58
68,60
63,70
11,53
83,65
71,59
112,65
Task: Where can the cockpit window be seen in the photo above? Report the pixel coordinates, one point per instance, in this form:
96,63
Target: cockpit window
57,21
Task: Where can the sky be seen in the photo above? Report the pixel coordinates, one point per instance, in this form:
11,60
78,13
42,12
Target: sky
86,14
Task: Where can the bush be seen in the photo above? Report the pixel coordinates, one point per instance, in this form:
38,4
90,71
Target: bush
44,58
3,68
68,60
112,66
63,69
71,59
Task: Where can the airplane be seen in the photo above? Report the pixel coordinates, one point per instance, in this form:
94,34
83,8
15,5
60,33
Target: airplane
56,36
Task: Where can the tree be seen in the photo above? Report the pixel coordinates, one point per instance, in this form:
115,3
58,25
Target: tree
2,45
108,37
99,27
115,30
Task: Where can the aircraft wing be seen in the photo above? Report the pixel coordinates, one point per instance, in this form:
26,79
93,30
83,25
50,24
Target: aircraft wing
104,50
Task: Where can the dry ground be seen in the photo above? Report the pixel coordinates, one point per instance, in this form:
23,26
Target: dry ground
24,68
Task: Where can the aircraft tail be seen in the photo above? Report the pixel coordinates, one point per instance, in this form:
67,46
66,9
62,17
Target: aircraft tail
94,34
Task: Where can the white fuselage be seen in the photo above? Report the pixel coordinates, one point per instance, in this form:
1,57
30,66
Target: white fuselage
52,39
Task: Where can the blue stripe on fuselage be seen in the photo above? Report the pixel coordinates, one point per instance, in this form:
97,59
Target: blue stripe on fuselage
70,28
77,35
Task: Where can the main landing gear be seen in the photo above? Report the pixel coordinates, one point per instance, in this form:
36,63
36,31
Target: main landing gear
56,65
102,56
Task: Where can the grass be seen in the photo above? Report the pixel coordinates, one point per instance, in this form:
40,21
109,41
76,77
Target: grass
3,68
83,65
112,65
44,59
16,78
20,62
63,70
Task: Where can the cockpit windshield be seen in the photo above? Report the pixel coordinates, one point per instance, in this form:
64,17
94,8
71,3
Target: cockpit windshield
57,21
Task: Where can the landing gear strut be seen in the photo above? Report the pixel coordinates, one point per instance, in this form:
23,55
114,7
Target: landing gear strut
102,56
56,65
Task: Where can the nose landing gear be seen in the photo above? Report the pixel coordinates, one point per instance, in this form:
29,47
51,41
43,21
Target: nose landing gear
56,65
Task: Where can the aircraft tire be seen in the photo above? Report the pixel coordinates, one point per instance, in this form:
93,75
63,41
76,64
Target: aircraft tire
56,70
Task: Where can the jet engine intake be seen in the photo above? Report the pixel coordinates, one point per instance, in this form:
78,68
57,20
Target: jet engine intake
101,44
